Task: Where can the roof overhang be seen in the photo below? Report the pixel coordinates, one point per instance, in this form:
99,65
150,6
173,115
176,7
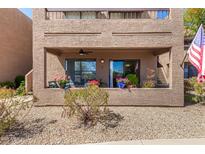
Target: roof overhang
104,9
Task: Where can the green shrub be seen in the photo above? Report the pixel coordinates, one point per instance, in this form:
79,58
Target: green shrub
10,108
133,79
21,91
18,80
88,104
149,84
7,84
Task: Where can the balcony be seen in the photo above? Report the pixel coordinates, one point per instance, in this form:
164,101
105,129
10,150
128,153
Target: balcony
79,14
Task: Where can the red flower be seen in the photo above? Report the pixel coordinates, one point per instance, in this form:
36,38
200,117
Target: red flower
94,82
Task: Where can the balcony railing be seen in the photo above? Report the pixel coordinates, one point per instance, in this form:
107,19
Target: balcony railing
52,14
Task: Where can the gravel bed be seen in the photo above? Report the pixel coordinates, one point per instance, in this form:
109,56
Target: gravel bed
44,125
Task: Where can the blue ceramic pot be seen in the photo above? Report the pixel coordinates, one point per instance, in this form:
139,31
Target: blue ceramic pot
121,84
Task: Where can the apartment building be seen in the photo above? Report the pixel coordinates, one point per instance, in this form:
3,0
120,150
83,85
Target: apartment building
106,43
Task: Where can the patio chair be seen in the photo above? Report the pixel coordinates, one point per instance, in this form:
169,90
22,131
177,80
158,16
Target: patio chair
53,84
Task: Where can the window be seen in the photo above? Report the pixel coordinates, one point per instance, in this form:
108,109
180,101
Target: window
125,15
132,15
116,15
189,70
162,14
88,15
80,15
72,15
81,71
121,68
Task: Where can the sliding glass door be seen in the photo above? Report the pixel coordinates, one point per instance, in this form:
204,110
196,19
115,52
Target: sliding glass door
81,71
121,68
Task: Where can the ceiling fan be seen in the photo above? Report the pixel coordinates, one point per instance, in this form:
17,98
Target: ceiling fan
83,52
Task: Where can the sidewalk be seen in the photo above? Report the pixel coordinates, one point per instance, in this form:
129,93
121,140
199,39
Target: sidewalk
192,141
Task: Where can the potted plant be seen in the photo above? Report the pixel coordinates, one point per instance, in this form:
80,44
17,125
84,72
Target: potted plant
149,84
94,82
133,80
121,82
62,83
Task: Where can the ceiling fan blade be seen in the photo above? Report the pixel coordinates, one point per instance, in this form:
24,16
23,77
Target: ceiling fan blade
88,51
84,52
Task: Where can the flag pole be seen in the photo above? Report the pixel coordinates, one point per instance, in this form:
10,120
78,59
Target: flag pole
183,60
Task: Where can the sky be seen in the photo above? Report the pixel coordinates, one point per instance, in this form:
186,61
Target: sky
26,11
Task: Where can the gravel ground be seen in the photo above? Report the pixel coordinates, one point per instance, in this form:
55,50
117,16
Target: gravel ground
44,125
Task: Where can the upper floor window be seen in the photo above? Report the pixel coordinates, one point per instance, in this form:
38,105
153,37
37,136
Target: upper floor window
162,14
125,15
88,15
72,15
80,15
116,15
132,15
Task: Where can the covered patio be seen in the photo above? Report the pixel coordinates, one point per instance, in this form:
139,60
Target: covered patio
58,62
104,65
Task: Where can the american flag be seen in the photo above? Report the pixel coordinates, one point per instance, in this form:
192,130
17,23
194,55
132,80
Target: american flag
196,53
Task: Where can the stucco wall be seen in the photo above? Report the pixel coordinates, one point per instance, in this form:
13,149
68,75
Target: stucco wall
148,62
15,44
112,34
164,60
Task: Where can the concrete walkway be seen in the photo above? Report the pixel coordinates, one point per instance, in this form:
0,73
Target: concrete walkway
192,141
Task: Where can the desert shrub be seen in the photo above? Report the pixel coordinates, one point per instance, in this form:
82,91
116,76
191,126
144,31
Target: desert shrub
191,85
199,92
149,84
198,88
18,80
6,93
10,108
7,84
21,91
87,104
133,79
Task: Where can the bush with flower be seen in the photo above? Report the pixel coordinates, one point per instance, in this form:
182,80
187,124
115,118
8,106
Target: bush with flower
94,82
